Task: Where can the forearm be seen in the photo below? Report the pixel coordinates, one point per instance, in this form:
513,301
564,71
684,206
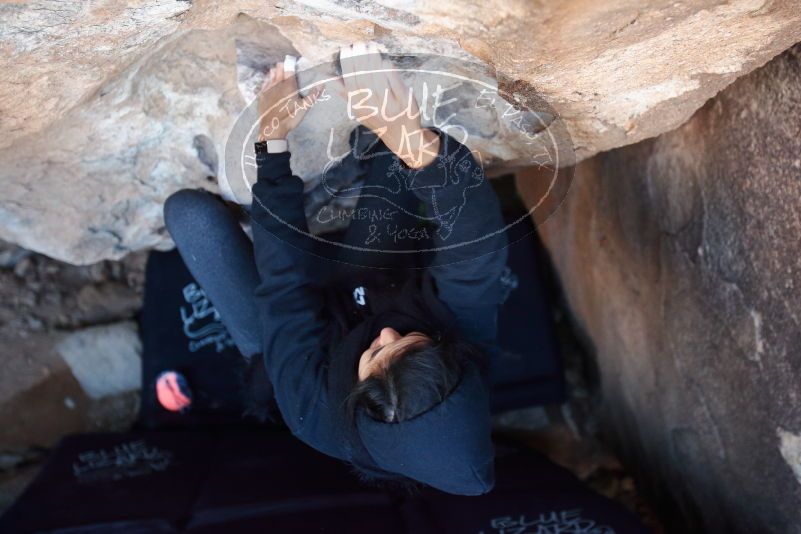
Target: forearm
469,236
416,149
291,306
278,199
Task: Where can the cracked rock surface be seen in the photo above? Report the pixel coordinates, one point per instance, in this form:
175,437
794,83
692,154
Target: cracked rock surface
679,257
107,107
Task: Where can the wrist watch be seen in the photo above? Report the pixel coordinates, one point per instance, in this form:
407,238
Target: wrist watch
271,146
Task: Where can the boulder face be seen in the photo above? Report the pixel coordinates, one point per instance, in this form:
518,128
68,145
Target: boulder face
679,257
107,107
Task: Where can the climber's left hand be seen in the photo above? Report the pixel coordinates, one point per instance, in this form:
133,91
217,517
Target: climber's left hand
377,97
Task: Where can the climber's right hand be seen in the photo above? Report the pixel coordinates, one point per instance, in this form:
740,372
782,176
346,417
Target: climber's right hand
281,108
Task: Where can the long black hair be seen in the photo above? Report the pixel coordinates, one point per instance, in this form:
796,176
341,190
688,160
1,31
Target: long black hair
413,382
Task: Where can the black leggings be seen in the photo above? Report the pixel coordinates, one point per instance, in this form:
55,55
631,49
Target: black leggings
220,255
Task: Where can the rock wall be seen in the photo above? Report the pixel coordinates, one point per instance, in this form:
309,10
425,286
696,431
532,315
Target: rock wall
69,349
680,257
106,107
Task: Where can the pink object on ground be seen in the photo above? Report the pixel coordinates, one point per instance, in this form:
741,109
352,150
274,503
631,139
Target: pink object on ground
173,392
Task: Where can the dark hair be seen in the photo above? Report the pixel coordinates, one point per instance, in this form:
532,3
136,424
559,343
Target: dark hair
412,383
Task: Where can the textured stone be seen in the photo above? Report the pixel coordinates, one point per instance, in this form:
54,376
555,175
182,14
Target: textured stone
107,107
41,400
106,360
680,258
41,301
790,447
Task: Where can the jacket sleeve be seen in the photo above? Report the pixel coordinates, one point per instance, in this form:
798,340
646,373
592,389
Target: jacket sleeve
295,327
469,237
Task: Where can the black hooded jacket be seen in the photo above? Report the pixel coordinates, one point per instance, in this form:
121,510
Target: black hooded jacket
317,317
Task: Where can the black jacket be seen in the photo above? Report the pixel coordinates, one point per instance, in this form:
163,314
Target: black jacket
447,447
